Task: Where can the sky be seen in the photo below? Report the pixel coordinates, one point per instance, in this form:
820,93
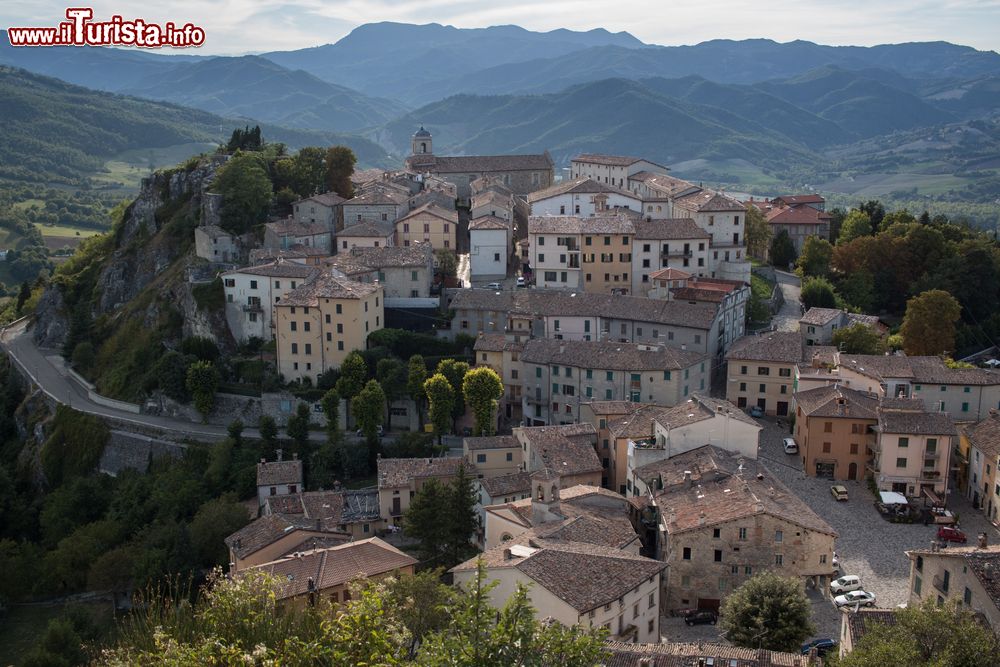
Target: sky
254,26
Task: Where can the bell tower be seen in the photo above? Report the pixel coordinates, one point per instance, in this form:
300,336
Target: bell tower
422,142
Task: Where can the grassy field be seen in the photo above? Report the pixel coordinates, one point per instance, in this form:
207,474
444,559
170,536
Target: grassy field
59,230
127,169
28,203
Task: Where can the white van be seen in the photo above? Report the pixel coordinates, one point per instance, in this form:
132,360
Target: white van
850,582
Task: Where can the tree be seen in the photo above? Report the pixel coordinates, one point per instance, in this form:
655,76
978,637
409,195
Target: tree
858,339
331,410
442,401
340,161
353,375
782,250
84,356
447,262
858,290
926,634
268,431
369,411
415,378
246,193
422,604
875,211
768,611
309,171
758,233
816,256
391,376
202,381
298,428
455,372
929,324
856,224
23,295
246,140
425,520
462,520
235,432
214,521
818,293
482,388
171,375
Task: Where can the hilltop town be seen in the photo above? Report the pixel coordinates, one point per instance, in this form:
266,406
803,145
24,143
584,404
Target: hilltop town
621,369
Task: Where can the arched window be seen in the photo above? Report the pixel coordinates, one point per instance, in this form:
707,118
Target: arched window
541,494
554,491
506,537
423,146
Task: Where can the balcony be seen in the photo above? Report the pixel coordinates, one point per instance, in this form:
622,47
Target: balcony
627,634
940,583
932,455
675,253
252,308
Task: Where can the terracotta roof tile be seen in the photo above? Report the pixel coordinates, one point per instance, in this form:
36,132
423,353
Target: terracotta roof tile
505,485
433,209
603,355
985,435
669,230
326,286
292,227
368,228
837,401
578,186
490,442
394,473
783,347
279,472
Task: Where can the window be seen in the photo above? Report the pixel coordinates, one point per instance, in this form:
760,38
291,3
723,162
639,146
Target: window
718,556
294,325
916,585
652,601
779,560
686,553
904,442
828,427
305,326
965,407
785,372
763,370
339,309
722,584
743,370
762,388
253,284
666,376
716,533
295,348
510,456
538,371
901,462
779,536
685,581
480,458
743,533
854,448
743,386
610,376
635,610
826,447
734,569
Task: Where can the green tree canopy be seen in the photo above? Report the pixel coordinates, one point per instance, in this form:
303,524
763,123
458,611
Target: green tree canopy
415,377
782,251
442,401
202,382
298,428
331,410
447,262
768,611
758,233
455,372
818,293
482,388
855,225
246,193
816,256
926,635
858,339
268,430
369,411
929,324
353,375
340,161
215,520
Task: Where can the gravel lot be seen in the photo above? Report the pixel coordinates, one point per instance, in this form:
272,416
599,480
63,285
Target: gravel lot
868,545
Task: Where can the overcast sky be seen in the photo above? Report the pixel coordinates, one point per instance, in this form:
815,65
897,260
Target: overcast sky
246,26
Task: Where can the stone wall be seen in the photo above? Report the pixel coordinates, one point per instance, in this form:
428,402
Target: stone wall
131,450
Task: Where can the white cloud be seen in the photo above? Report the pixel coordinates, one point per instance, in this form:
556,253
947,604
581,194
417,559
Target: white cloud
241,26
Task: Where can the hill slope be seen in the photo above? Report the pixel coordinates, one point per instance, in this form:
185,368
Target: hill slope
253,87
55,132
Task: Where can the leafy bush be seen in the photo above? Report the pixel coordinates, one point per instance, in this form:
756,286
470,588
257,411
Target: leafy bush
73,446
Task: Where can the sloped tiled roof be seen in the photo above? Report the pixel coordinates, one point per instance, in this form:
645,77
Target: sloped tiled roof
708,201
613,407
585,576
486,222
603,355
326,286
577,186
860,622
214,231
325,199
330,508
613,222
394,473
826,402
279,472
377,197
292,227
432,209
784,347
368,228
269,529
612,160
820,316
480,163
394,256
491,442
335,566
676,654
567,449
505,485
985,435
495,342
276,269
917,423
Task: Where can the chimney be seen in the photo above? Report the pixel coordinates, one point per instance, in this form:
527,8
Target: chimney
506,554
684,346
562,349
934,546
701,518
645,661
263,460
758,507
983,540
278,453
815,360
687,478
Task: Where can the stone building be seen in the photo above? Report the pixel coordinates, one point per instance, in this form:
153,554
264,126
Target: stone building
273,536
593,254
324,209
493,456
977,458
353,512
399,480
521,173
318,324
375,205
489,248
835,431
912,449
284,234
278,478
970,575
570,449
818,325
252,291
215,244
761,371
428,224
801,216
367,234
716,522
503,355
403,272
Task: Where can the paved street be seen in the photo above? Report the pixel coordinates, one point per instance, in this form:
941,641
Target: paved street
787,318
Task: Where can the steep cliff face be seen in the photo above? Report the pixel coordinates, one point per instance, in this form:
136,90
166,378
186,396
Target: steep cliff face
152,246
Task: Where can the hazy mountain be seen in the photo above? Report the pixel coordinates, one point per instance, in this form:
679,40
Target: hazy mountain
99,68
724,61
397,60
857,103
253,87
58,132
614,115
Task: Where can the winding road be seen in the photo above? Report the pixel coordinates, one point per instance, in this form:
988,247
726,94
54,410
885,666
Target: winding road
787,318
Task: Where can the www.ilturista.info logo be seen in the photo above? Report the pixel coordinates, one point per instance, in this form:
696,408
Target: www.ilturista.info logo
79,30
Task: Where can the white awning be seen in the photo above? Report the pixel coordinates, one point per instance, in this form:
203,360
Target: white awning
893,498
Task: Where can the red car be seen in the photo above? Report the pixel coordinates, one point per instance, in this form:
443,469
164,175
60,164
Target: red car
949,534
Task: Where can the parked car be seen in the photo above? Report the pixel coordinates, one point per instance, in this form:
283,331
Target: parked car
839,492
849,582
701,617
521,282
863,598
494,286
836,561
822,646
790,446
950,534
378,429
756,411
